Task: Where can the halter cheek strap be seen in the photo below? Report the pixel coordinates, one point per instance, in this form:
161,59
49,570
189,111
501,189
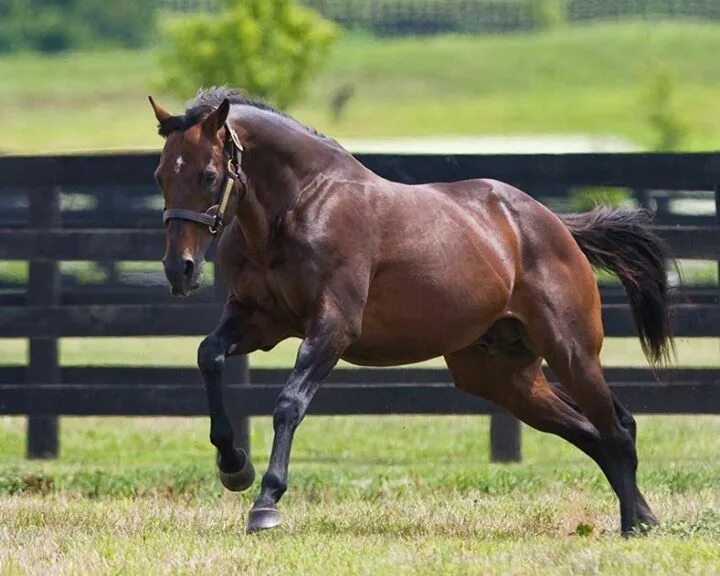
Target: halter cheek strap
214,215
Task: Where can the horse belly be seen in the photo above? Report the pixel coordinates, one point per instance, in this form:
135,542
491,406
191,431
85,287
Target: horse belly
410,317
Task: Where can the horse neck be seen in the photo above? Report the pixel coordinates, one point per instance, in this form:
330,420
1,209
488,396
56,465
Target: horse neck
280,159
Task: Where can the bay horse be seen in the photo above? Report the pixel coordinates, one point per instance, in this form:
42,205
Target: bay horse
378,273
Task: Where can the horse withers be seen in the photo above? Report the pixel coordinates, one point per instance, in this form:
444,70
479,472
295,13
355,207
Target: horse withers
378,273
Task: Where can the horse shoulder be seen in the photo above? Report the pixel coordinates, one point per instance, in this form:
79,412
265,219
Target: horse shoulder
335,224
324,249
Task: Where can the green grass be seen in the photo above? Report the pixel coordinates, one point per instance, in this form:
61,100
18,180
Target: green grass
580,79
368,495
587,79
76,101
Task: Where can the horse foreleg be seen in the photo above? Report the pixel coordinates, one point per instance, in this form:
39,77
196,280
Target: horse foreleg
319,352
234,466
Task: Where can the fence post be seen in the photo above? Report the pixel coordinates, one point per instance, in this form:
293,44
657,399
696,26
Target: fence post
717,217
43,289
504,437
236,372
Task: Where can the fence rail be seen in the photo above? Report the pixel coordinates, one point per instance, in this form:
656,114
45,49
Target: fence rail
110,202
333,399
693,242
689,320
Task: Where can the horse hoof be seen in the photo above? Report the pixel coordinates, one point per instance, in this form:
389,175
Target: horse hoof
240,480
643,513
262,519
639,529
646,518
648,521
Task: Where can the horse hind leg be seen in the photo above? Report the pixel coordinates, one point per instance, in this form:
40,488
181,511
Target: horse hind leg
644,513
569,337
516,382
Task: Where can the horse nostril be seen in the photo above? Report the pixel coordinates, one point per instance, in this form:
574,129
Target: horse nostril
189,269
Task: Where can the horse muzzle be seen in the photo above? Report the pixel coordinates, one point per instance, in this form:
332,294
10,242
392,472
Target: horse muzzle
183,273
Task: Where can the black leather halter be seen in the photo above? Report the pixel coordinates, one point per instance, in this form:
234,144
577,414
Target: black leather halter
214,215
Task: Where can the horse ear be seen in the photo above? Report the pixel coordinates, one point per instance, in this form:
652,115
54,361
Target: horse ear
160,113
216,119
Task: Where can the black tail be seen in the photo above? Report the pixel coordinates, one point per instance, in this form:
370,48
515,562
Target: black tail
619,240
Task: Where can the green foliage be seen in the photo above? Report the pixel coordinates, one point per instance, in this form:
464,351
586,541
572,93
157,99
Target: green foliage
584,529
708,523
548,14
663,113
128,23
56,26
419,17
270,48
585,199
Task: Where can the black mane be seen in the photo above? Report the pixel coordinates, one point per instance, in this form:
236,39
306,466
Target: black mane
207,99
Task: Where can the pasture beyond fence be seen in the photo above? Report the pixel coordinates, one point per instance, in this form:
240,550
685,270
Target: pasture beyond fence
104,208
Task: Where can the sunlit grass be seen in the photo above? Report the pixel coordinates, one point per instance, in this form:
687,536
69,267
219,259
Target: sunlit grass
579,79
380,495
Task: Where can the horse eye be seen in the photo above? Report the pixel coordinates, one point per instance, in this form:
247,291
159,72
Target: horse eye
209,177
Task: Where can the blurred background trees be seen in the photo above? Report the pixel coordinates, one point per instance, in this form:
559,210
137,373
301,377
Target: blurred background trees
270,48
59,25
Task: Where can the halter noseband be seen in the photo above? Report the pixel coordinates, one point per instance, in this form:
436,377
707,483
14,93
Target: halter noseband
213,216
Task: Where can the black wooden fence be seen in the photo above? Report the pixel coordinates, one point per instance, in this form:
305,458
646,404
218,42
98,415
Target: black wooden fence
104,208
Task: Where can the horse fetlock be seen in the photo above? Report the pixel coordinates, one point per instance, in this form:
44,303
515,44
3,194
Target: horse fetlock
239,479
221,437
273,488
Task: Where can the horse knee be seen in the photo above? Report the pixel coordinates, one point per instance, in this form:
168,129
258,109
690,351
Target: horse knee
211,354
289,410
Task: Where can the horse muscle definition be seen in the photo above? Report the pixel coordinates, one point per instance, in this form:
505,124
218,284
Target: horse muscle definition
379,273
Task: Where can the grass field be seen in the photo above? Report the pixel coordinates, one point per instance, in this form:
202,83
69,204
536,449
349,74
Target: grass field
585,79
369,495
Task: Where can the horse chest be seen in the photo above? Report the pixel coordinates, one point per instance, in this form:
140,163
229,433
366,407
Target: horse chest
271,290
